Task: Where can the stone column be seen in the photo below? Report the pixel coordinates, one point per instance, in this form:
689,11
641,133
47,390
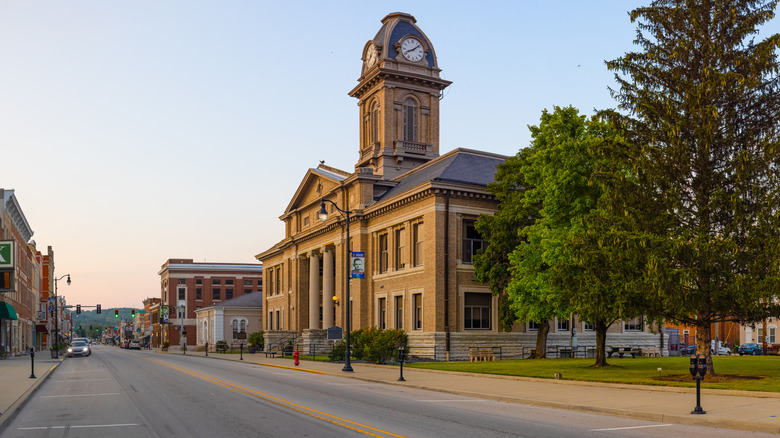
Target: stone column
328,287
314,290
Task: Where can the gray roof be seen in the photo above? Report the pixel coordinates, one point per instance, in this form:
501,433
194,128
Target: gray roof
253,299
460,166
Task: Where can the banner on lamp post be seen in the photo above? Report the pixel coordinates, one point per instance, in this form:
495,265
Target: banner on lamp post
357,265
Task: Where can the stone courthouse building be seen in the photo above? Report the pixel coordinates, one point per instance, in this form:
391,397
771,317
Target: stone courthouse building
411,213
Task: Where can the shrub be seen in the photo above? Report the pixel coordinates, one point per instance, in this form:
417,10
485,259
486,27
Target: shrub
256,339
372,345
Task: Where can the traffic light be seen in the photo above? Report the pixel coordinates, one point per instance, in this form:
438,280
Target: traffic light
78,309
132,313
98,308
116,313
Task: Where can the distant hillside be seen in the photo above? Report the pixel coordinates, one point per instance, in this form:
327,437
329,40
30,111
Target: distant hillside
98,322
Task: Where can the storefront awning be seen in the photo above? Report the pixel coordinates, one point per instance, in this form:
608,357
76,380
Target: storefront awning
7,311
41,328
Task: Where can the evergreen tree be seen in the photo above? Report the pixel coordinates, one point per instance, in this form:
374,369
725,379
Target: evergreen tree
702,109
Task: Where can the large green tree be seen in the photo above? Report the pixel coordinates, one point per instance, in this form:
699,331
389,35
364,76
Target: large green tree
702,104
569,260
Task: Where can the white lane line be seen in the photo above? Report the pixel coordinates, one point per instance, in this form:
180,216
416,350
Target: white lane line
78,395
630,427
78,427
447,401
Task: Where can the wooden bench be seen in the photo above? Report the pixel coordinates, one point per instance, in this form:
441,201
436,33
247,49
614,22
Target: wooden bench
221,348
481,354
270,353
634,352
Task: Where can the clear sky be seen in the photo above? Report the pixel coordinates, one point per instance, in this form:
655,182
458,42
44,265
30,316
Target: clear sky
137,131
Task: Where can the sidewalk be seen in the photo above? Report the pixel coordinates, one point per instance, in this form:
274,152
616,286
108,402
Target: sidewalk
16,382
739,410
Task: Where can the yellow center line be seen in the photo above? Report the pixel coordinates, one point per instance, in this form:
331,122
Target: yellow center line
352,425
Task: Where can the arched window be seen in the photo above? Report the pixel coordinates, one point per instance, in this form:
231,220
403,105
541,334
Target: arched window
235,328
410,119
374,126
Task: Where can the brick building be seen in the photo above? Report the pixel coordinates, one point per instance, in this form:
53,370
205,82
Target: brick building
187,286
411,216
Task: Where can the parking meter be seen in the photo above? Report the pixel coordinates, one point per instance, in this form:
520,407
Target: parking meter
694,366
401,358
702,368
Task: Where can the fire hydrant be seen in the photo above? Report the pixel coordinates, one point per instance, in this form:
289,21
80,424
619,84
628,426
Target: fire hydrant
295,356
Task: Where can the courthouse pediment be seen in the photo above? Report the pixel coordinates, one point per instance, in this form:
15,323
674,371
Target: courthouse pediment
315,183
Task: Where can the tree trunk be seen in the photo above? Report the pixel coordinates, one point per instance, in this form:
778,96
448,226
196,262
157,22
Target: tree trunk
704,345
541,341
601,344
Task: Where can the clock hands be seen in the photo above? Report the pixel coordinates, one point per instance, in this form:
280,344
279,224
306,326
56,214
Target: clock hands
413,48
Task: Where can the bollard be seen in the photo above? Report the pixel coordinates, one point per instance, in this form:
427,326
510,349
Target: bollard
32,363
401,357
241,351
207,349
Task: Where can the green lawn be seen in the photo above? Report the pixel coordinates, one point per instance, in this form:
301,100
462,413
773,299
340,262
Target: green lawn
749,373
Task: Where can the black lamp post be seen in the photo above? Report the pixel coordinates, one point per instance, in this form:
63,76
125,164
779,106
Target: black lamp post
323,216
56,315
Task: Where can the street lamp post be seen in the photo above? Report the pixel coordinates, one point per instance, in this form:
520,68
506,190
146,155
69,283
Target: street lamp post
56,314
323,216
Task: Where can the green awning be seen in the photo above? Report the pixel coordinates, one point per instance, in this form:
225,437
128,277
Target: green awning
7,311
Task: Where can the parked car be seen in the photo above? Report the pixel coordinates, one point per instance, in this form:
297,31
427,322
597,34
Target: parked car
79,348
134,345
688,350
751,349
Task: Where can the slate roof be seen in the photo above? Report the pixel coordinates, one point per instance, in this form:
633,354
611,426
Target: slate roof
461,166
253,299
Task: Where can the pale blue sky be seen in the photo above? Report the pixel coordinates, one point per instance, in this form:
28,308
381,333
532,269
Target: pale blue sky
137,131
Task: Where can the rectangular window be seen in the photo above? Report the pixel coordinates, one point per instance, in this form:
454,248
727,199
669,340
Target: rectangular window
182,293
278,320
181,281
198,282
400,248
216,294
382,324
771,335
247,282
383,256
278,280
472,241
418,311
228,282
533,325
198,293
634,325
216,282
589,327
563,325
270,320
271,281
417,230
477,311
259,282
228,293
399,312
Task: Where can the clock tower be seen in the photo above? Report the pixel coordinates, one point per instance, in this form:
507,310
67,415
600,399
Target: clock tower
398,95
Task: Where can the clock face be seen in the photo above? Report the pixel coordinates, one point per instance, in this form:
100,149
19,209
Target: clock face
412,49
371,56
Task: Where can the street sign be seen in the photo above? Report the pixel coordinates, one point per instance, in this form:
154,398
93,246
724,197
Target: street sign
6,254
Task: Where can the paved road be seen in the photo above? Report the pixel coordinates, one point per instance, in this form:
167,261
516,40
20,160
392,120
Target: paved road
122,393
